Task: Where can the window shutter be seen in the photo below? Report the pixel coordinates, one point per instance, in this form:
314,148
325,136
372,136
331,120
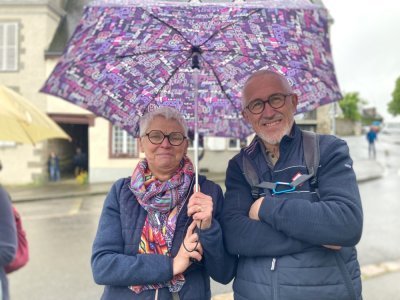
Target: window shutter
9,46
11,50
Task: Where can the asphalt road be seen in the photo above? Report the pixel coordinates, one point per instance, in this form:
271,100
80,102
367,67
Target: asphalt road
61,232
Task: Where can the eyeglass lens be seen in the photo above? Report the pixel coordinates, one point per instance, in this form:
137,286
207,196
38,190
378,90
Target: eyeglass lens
157,137
275,101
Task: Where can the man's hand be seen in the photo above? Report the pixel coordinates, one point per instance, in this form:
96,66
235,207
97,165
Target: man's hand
333,247
255,208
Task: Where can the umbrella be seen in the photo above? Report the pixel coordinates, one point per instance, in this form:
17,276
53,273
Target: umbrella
22,122
126,58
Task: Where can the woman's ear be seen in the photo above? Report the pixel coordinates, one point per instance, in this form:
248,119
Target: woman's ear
186,147
140,145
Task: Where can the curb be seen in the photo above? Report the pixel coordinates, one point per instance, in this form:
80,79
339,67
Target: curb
15,199
375,270
226,296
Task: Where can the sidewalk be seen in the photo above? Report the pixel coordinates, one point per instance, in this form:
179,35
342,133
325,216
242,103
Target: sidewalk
364,169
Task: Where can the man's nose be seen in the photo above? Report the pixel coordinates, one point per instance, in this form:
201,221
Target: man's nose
268,110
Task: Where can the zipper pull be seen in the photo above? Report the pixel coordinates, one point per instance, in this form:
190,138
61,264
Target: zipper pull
273,264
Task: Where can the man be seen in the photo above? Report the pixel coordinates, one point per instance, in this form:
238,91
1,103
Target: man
294,244
53,165
371,138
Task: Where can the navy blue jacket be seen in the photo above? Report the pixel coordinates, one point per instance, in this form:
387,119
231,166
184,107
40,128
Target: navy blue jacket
8,240
281,256
116,264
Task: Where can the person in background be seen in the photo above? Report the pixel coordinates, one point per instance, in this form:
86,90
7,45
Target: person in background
372,136
80,162
53,164
293,243
157,238
8,240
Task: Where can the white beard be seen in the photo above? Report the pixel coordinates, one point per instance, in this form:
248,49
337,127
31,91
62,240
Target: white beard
276,138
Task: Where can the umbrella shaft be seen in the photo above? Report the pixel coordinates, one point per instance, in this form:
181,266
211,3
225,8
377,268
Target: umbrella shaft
196,127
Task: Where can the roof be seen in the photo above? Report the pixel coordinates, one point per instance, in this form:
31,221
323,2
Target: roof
55,3
74,11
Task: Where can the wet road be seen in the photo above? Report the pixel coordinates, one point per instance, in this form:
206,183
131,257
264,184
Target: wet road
61,232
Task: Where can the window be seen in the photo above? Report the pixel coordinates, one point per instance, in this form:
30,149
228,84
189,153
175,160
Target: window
191,140
233,144
5,144
123,144
9,46
236,144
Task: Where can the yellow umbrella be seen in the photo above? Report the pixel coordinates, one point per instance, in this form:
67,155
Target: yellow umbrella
22,122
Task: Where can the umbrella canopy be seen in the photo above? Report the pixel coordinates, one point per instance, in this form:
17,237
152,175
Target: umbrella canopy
22,122
126,58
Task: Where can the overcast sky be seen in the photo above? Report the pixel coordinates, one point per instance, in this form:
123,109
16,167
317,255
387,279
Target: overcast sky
365,39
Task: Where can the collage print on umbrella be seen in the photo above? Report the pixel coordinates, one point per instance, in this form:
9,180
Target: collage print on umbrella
126,58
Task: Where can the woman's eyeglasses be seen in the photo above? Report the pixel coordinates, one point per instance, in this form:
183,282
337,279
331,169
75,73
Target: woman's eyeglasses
156,137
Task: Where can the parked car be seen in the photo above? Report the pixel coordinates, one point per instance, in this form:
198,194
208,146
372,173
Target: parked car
391,131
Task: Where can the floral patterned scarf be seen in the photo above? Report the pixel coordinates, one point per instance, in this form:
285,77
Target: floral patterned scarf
163,201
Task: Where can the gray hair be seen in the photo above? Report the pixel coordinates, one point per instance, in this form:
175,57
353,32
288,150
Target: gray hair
168,113
261,73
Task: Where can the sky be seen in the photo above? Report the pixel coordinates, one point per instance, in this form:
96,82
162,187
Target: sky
365,41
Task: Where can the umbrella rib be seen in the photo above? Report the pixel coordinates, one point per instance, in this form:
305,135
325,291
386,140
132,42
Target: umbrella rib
149,52
166,82
251,57
231,24
166,24
220,83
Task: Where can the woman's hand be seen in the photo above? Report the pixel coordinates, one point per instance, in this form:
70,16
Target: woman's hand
182,260
200,208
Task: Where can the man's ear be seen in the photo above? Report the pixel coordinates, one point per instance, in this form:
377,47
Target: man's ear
245,115
295,100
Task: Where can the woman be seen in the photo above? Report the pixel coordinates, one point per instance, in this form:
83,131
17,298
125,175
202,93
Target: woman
8,240
157,239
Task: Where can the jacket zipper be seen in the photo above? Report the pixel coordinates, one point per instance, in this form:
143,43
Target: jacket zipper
273,264
274,279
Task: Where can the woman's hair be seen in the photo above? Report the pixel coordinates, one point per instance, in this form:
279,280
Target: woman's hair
166,112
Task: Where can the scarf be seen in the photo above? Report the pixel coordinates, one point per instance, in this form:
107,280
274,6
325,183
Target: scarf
163,201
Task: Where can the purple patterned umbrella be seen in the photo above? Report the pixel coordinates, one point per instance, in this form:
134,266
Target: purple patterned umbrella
126,58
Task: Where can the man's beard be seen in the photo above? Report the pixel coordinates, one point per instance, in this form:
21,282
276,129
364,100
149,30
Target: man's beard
277,137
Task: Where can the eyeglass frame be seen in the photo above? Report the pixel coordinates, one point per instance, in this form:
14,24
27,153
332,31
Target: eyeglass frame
165,136
268,101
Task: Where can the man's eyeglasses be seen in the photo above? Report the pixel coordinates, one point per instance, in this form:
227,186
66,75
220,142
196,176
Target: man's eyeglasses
275,101
156,137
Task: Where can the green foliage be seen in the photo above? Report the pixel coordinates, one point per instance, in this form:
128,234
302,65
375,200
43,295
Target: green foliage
369,120
394,105
349,106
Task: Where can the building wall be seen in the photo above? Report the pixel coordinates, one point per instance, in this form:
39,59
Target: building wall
324,119
216,154
102,168
58,105
24,164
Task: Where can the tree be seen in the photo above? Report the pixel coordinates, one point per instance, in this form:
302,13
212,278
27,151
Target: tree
394,105
349,105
